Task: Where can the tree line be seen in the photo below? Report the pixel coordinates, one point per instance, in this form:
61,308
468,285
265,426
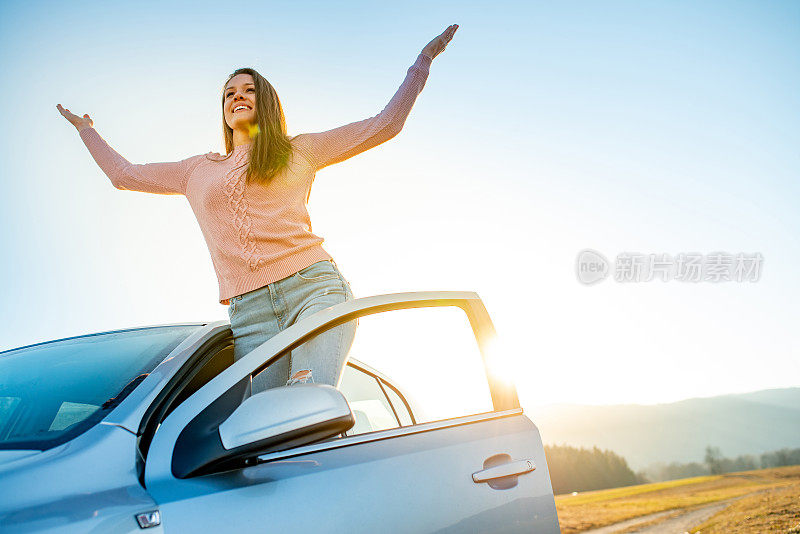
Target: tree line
715,464
580,469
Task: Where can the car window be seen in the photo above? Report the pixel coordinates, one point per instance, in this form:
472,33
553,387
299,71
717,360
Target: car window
52,392
70,413
430,354
398,404
369,405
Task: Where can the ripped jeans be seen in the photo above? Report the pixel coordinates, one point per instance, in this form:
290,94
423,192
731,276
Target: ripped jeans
258,315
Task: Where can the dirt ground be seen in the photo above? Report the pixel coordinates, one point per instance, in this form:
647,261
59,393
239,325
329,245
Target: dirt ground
750,501
777,510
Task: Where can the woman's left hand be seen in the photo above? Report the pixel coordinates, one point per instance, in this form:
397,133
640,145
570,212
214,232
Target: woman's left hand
438,44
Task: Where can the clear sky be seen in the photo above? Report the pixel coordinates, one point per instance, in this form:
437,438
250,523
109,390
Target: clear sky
543,129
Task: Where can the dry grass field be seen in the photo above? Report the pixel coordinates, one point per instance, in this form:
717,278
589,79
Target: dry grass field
769,501
777,510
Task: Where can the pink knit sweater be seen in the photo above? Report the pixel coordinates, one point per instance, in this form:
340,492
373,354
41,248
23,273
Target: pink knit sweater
259,234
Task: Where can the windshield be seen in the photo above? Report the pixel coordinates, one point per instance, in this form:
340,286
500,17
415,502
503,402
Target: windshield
52,392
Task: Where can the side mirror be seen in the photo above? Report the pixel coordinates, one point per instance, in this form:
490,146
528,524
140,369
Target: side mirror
273,420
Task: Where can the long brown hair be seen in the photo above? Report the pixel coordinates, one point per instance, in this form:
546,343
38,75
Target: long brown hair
271,148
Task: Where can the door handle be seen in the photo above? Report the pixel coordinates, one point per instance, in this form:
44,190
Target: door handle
517,467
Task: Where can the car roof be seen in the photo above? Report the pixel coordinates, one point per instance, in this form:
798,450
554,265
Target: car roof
355,362
131,329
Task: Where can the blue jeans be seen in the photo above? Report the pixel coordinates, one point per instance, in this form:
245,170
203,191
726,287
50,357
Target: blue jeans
258,315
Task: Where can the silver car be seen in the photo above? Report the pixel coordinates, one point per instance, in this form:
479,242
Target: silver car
151,429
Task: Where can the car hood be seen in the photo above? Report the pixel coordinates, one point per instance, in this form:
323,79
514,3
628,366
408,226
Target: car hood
88,478
12,456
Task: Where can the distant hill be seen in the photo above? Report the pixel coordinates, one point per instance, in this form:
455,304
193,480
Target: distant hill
748,423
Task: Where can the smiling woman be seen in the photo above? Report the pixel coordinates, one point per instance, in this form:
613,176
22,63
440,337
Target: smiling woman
241,107
272,270
253,117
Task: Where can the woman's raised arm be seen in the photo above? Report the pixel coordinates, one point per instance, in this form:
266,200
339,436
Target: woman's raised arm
168,178
339,144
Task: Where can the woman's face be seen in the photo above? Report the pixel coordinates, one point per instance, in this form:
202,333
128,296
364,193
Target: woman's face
240,91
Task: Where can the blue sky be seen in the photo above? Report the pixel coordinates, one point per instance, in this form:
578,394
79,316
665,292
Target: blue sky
543,129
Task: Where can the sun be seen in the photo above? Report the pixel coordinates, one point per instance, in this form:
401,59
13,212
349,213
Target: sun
501,364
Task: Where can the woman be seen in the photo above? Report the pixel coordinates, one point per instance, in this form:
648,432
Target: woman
272,270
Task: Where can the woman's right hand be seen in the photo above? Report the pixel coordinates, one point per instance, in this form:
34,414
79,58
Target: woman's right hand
78,122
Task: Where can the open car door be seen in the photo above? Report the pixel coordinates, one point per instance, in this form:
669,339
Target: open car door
218,463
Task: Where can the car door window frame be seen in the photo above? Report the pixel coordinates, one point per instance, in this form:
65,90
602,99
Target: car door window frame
384,383
377,393
167,399
225,392
402,398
